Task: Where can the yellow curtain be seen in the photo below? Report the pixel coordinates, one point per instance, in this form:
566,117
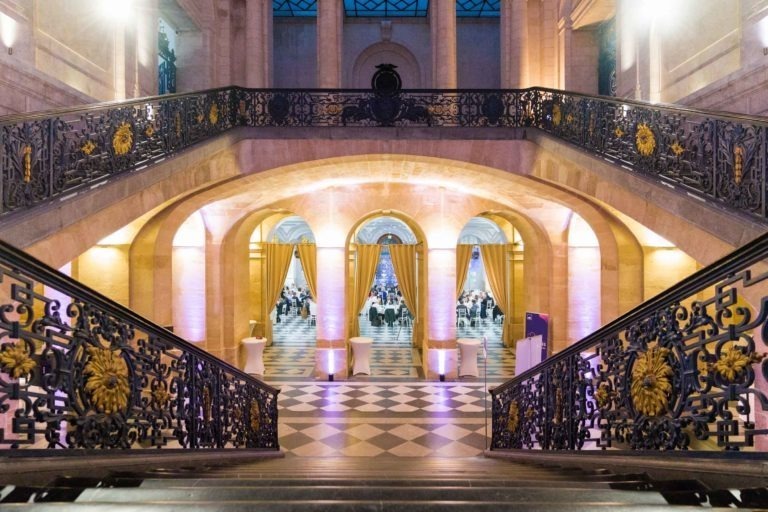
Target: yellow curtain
404,262
278,260
308,256
495,263
463,255
365,271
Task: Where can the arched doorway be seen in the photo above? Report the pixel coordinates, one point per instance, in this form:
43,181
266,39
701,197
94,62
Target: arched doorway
386,294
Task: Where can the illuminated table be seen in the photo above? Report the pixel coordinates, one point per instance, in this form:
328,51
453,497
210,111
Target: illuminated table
361,354
254,352
468,350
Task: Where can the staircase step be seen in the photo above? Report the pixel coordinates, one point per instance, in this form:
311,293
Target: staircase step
430,494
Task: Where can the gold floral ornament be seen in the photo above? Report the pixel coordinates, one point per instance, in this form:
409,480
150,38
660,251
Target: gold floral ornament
213,114
200,118
513,418
149,131
122,141
651,382
677,148
603,395
88,147
161,397
15,360
529,413
255,413
733,362
177,124
238,415
569,118
618,132
333,109
738,164
645,140
107,383
241,107
557,115
27,151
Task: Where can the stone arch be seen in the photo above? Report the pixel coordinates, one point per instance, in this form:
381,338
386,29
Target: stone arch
386,52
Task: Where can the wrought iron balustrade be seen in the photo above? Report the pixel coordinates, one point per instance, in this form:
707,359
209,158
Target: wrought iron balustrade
50,155
79,371
683,371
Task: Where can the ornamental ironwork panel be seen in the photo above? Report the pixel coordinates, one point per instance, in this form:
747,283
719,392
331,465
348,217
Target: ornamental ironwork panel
715,156
478,8
386,8
680,372
289,8
80,372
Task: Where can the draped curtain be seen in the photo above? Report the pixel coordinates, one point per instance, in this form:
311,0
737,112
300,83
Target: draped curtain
308,257
404,263
365,271
278,261
495,263
463,255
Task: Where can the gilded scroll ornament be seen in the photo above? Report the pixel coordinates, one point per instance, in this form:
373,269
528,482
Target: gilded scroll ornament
15,360
645,140
677,148
557,115
160,397
513,418
27,151
651,382
177,124
255,413
107,383
738,164
618,132
207,403
213,114
88,147
603,396
122,141
149,131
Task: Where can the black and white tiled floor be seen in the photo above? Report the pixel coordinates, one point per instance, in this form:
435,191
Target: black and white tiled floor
393,412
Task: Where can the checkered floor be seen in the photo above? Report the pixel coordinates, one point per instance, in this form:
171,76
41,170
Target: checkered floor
329,419
394,411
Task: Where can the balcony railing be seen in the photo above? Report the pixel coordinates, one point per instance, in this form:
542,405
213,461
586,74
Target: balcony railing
79,371
683,371
716,156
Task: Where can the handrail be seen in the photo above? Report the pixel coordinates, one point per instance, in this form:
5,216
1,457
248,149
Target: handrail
662,376
717,156
82,371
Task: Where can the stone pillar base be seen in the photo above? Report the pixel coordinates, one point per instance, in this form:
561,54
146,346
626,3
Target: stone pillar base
448,365
331,361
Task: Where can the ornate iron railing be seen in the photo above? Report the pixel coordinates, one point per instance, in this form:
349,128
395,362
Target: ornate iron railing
50,155
78,370
681,371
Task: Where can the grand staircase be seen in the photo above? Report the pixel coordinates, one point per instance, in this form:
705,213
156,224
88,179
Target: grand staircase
375,484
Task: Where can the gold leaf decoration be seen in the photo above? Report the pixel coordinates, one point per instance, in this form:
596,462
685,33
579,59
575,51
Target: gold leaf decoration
88,147
199,118
122,141
733,362
207,404
15,360
645,140
513,418
651,382
241,107
107,383
569,118
213,114
677,148
558,419
557,115
738,164
237,414
177,124
529,413
27,151
150,131
161,397
618,132
255,413
603,396
333,109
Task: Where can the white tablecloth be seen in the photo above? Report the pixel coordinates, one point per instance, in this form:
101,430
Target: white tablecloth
254,352
361,354
468,353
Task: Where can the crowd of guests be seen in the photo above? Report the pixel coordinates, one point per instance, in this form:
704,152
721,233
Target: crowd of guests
474,305
296,300
386,305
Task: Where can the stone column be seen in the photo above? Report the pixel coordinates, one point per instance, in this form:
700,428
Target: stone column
441,315
258,43
331,352
442,21
330,26
514,44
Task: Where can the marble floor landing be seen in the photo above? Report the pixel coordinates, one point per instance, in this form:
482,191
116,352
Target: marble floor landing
393,412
